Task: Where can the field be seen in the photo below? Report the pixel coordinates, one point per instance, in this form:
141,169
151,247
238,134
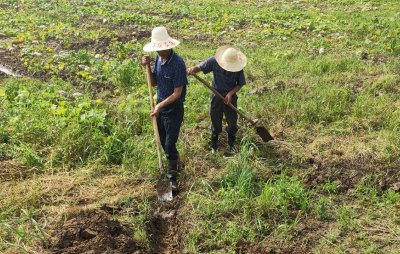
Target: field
78,160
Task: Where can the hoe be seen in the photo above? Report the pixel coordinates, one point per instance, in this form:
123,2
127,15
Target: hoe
261,131
164,191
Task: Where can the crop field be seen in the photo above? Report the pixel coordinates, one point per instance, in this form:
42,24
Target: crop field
78,158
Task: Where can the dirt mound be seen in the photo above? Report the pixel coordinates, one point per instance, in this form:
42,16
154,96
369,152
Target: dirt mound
13,170
350,173
93,232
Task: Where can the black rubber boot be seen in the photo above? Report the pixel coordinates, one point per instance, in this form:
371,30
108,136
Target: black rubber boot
173,175
231,143
214,142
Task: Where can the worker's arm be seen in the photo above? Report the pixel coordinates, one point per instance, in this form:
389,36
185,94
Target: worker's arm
193,70
228,97
170,99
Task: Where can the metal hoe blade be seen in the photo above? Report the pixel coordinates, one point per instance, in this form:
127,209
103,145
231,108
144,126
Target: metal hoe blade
164,191
263,133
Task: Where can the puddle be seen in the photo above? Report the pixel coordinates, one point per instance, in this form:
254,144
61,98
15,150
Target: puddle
8,71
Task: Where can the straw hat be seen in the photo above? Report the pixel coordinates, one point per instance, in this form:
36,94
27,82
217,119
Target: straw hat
160,40
230,58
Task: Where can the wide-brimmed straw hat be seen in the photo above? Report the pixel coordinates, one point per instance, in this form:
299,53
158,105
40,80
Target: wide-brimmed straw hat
160,40
230,58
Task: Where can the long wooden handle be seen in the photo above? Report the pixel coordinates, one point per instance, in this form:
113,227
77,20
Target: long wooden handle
156,134
222,97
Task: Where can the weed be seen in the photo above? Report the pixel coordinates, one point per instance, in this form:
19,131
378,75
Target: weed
322,208
346,216
281,196
129,76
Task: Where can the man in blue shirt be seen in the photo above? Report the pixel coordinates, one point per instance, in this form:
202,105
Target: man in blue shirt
228,78
169,75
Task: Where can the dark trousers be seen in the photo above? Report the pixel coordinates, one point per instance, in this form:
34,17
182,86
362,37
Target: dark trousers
169,123
217,109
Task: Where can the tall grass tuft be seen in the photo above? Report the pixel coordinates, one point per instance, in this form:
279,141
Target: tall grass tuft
281,196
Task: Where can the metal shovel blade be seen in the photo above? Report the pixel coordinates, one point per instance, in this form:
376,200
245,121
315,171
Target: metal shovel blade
263,133
164,191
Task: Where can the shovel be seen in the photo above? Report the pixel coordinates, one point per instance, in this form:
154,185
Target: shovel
164,191
261,131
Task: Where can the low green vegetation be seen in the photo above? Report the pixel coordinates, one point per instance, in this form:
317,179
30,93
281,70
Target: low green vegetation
323,76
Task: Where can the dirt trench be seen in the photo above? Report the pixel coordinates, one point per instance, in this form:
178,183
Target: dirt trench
163,227
166,226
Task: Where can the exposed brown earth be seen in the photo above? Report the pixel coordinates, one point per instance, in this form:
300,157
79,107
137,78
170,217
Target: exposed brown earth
91,232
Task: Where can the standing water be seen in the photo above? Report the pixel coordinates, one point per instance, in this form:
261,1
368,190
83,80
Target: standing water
8,71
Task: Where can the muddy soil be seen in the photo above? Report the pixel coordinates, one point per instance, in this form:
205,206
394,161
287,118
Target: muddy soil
92,232
10,60
100,46
163,227
350,173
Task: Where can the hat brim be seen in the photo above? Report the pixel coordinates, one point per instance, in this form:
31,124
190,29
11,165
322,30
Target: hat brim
159,46
232,67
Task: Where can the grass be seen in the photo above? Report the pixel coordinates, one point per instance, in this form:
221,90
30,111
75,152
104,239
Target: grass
327,184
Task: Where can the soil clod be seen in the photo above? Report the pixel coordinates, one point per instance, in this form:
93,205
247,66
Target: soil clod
94,231
87,233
